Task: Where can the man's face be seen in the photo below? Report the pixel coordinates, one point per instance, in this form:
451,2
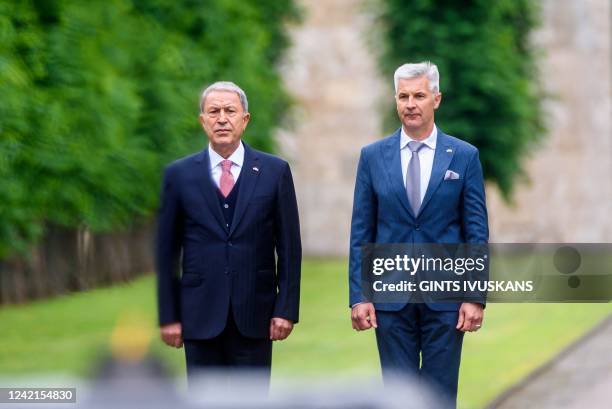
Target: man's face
416,105
223,120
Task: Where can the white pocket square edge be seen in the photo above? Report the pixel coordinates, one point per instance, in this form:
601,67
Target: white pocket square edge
450,175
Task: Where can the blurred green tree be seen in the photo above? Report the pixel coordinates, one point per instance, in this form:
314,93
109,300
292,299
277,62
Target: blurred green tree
488,76
97,96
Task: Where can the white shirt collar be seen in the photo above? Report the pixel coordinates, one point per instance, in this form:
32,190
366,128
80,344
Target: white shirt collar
237,157
430,141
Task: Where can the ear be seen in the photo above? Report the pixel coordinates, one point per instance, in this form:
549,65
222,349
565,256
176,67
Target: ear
201,118
245,119
437,100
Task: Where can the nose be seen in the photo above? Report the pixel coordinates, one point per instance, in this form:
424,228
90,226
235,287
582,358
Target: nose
411,102
222,117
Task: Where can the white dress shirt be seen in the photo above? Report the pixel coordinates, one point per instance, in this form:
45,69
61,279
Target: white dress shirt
426,157
237,158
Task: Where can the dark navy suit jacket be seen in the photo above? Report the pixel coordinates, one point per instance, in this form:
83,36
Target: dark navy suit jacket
254,265
452,211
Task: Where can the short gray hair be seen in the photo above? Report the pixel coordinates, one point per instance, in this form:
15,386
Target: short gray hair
224,86
424,68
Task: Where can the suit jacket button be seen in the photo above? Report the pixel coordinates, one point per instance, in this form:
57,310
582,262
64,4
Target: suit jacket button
417,227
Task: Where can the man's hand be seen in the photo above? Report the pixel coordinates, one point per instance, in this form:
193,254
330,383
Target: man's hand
363,316
280,328
470,317
172,334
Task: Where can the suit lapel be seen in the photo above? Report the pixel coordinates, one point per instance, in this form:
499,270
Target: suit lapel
208,189
442,159
393,167
248,176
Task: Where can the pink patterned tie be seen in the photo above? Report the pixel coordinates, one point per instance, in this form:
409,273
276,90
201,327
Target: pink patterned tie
227,179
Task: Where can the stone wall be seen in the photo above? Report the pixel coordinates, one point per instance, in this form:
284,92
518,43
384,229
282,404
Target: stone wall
568,194
333,78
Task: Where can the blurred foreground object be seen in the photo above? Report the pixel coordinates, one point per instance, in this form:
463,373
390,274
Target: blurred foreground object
145,384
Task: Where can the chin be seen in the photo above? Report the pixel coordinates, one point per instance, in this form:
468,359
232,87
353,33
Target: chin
413,125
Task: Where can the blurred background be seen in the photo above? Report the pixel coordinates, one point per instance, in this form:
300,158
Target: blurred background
96,97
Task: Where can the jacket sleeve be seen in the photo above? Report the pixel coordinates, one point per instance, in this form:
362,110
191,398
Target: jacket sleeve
168,250
363,226
475,224
288,249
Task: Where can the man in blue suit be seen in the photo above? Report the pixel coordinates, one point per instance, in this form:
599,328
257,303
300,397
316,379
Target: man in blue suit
229,216
417,185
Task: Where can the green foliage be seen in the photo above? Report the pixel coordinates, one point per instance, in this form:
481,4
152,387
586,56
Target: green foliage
491,96
97,96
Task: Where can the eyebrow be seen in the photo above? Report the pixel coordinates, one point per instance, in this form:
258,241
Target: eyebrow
400,93
230,105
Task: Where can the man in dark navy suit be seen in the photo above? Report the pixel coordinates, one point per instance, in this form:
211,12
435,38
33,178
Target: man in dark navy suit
229,217
418,185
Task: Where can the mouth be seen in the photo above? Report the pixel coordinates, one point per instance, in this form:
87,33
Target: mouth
222,131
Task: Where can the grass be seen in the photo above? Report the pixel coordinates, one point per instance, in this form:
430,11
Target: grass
70,333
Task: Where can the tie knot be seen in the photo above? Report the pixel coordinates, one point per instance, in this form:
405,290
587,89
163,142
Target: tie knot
415,146
226,165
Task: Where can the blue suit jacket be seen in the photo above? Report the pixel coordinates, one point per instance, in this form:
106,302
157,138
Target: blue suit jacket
222,266
452,211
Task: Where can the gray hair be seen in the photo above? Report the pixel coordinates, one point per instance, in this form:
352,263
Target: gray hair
424,68
225,86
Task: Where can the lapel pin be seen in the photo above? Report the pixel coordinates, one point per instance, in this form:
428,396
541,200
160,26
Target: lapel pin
449,150
255,168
